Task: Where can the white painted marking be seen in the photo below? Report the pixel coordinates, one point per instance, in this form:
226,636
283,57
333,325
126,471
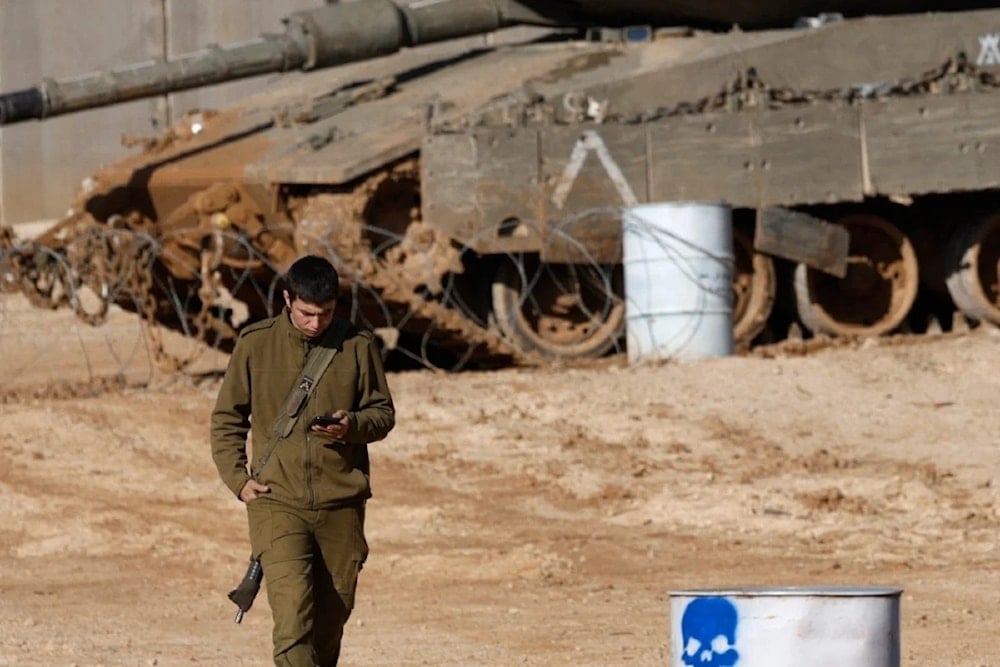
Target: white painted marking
589,142
989,49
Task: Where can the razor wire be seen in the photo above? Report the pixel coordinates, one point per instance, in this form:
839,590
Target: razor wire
127,304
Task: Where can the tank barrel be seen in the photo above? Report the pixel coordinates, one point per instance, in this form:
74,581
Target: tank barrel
327,36
272,53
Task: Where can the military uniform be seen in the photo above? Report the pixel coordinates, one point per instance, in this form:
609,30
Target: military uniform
308,530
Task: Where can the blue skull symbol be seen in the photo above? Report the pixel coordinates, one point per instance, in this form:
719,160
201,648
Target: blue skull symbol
709,632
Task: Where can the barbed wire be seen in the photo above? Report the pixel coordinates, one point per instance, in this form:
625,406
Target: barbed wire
126,304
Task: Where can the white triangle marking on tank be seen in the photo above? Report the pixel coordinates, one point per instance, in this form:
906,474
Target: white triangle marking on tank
591,141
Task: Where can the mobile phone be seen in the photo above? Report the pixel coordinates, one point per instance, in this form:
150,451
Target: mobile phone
325,420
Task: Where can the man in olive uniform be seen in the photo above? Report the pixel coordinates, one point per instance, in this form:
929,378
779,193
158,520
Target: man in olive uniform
306,490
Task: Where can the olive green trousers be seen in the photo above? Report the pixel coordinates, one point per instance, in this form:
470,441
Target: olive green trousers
311,560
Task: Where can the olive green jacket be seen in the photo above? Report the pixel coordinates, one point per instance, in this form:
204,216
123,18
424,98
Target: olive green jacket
307,469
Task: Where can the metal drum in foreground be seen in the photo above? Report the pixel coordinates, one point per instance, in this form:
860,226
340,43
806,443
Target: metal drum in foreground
678,264
785,627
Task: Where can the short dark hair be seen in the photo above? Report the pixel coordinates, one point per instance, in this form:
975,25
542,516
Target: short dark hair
312,279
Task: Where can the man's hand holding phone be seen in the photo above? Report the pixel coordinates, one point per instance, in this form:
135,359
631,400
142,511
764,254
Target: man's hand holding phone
334,425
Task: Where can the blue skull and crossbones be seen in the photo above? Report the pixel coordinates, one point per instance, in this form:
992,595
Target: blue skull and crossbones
708,629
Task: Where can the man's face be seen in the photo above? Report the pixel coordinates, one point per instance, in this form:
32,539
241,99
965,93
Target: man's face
311,319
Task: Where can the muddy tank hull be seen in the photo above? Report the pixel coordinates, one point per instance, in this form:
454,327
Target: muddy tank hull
472,197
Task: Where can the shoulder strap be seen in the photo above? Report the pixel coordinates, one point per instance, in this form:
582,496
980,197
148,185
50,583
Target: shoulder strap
316,364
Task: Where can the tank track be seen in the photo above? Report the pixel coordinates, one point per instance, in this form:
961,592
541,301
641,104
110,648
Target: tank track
401,286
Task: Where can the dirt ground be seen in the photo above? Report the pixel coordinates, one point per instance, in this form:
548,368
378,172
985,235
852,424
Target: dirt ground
522,516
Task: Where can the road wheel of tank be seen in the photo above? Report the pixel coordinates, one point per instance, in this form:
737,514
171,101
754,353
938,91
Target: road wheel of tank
876,294
560,311
974,270
754,285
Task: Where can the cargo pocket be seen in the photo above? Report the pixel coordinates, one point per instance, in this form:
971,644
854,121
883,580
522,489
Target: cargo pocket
345,575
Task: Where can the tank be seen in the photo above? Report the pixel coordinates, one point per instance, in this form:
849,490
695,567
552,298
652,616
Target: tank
472,197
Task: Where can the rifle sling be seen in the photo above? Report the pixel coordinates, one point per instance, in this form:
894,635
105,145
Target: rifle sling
316,364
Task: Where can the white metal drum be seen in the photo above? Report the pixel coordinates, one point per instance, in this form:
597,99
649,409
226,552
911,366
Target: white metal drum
785,627
678,265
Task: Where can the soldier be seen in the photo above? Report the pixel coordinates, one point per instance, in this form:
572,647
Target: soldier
305,492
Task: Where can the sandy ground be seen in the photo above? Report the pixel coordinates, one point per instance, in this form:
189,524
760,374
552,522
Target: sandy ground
522,516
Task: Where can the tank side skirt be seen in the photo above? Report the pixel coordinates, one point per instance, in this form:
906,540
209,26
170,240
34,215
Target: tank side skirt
787,157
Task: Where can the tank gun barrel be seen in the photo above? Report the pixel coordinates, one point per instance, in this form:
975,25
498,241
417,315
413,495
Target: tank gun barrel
272,53
331,35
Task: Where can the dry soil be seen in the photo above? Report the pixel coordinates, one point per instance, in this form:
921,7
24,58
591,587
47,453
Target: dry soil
529,516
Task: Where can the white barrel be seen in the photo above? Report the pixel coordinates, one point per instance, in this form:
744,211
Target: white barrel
678,266
785,627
